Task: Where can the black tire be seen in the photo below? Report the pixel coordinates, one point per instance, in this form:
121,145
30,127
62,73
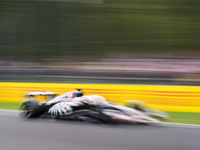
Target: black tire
30,109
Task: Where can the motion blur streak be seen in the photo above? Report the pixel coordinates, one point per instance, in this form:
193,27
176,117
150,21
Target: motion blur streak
111,41
90,31
72,1
116,38
146,50
167,98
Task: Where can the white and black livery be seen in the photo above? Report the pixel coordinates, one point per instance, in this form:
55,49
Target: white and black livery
75,106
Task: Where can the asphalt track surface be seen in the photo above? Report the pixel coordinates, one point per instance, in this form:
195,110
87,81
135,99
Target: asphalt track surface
17,134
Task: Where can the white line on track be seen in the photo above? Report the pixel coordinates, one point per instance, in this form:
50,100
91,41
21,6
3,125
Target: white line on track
7,112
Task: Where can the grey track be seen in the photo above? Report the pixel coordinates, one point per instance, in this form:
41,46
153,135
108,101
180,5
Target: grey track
17,134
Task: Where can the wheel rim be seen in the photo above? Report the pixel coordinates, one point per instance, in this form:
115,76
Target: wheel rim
26,110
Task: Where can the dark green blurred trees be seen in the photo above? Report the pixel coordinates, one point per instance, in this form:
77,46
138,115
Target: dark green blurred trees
80,30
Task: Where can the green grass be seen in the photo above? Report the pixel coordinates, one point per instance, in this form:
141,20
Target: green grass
6,105
184,117
176,117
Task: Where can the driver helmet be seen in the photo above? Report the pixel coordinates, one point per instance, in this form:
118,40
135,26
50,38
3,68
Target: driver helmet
79,94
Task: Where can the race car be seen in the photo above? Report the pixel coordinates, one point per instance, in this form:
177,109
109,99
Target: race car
92,108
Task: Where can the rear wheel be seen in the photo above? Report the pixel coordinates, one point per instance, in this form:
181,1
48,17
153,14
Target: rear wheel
30,109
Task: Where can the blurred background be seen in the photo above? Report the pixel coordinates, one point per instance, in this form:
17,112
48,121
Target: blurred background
100,41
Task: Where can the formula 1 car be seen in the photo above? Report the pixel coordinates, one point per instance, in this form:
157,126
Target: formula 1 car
92,108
